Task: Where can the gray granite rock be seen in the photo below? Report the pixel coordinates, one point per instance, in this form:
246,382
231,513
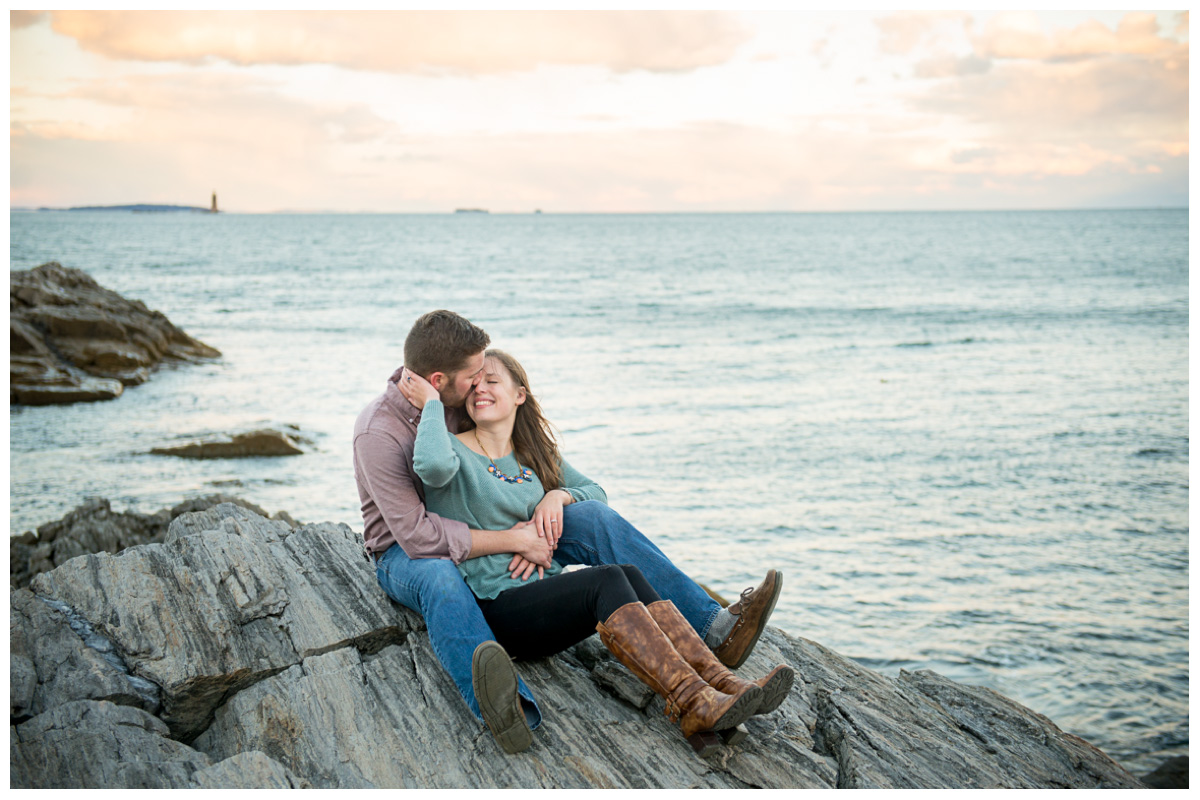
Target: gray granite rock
249,770
56,657
87,744
101,745
94,527
279,661
206,614
71,340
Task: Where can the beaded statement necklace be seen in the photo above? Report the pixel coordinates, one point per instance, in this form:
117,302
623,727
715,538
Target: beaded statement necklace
526,474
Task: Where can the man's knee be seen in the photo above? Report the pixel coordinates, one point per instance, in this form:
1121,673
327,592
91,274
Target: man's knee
591,519
584,509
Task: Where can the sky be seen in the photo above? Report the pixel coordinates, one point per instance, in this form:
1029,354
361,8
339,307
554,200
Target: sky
573,111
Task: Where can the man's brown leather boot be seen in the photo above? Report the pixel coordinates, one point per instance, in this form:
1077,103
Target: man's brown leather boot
752,612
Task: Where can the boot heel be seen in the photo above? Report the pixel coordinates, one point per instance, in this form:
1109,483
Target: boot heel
705,743
734,736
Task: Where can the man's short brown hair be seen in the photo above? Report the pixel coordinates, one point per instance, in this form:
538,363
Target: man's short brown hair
442,341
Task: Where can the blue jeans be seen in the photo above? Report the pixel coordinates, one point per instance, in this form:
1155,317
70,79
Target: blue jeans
593,534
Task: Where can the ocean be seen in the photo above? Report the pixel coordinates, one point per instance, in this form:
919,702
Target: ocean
962,437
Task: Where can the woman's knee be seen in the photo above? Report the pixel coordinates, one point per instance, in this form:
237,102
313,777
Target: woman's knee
637,581
611,574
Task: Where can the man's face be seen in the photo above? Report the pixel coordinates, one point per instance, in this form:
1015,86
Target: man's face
459,384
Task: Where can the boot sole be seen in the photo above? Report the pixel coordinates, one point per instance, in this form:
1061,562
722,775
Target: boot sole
495,682
776,690
741,710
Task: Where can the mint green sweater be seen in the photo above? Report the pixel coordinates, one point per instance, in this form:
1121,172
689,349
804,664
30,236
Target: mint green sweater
459,486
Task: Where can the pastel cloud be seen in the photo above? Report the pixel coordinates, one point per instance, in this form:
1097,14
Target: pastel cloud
1018,100
956,114
906,31
1019,35
23,19
477,42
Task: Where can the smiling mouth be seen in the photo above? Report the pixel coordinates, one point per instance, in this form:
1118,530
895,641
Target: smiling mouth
482,403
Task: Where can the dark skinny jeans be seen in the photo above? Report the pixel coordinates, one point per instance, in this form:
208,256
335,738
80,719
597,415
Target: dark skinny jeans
546,617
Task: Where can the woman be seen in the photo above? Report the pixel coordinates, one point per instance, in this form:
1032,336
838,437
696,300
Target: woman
505,469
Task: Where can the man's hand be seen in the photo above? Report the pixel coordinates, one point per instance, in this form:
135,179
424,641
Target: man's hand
416,389
521,568
534,551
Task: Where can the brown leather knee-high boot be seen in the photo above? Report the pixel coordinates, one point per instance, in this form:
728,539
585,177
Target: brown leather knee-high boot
775,686
633,636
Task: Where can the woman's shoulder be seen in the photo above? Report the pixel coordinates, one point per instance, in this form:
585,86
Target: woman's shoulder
463,438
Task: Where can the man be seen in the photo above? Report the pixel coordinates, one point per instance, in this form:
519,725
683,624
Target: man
416,552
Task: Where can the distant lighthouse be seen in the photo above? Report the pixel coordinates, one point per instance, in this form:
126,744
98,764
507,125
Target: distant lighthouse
214,205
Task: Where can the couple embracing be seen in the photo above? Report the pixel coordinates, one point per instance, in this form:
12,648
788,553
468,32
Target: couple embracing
470,514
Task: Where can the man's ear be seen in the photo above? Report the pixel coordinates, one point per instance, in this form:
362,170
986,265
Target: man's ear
439,380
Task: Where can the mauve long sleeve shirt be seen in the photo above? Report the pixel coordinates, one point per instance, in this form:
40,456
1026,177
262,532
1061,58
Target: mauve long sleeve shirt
393,499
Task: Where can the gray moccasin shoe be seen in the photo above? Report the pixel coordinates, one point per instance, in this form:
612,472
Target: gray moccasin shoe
495,682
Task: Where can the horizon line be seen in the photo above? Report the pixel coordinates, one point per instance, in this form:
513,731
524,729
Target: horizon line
543,213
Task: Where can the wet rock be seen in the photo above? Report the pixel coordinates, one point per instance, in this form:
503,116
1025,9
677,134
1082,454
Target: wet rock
242,445
1171,774
274,650
71,340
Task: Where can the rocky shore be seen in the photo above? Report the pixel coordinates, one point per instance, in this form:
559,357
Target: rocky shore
71,340
231,650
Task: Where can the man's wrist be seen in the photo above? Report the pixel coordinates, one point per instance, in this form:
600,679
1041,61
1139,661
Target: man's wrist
486,543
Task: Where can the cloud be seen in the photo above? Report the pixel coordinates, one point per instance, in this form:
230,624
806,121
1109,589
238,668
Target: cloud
830,163
24,19
951,66
1089,103
1114,98
1019,35
190,108
477,42
905,32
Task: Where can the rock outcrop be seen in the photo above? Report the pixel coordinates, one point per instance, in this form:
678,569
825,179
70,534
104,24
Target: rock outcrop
242,651
251,444
71,340
95,528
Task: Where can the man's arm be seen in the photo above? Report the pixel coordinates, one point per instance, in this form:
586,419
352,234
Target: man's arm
381,461
381,464
522,540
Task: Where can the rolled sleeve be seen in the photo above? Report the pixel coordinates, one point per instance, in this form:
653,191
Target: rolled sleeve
384,470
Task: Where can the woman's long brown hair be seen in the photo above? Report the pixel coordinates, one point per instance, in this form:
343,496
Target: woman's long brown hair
533,437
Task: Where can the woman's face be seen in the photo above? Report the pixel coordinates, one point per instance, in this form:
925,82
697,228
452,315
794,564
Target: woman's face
497,395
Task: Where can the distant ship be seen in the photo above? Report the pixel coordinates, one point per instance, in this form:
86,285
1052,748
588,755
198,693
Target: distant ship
470,211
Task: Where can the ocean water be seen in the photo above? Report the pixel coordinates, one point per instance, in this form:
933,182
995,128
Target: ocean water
963,437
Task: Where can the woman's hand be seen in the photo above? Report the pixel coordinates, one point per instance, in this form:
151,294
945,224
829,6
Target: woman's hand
416,389
548,516
532,551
